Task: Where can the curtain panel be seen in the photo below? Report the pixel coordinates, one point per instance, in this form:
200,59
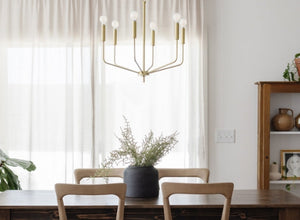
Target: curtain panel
62,107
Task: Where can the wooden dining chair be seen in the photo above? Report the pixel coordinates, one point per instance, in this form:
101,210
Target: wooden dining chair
224,189
63,189
81,173
202,173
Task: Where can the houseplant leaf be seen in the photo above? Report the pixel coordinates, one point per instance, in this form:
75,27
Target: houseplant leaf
12,179
27,165
3,181
9,180
297,55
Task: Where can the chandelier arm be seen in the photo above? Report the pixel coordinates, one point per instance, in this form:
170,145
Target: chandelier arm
169,67
115,55
152,60
168,64
134,54
115,65
144,34
141,65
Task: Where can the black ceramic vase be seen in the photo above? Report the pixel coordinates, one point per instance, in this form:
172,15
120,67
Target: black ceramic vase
142,182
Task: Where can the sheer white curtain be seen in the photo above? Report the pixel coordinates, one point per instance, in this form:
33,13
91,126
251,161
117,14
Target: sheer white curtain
62,107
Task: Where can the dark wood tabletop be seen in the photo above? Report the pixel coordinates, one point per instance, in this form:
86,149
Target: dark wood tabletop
284,202
240,199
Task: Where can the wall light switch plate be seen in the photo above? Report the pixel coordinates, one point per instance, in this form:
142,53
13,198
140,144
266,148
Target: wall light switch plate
225,136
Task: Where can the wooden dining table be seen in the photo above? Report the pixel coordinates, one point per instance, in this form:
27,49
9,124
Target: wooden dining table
246,204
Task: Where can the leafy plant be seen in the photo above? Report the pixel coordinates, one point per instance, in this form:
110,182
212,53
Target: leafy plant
291,71
9,180
287,186
147,154
284,171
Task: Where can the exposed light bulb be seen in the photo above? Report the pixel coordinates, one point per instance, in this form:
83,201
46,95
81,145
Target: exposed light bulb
133,15
182,22
115,24
103,19
153,26
176,17
142,68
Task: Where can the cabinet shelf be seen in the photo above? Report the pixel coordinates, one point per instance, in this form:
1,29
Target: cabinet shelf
284,181
285,132
267,92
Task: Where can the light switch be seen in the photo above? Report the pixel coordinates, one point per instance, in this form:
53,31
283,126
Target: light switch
225,136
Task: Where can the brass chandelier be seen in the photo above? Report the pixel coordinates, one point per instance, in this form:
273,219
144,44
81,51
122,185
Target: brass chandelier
142,70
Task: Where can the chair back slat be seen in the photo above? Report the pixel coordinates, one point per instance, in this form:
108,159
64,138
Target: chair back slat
63,189
81,173
224,189
202,173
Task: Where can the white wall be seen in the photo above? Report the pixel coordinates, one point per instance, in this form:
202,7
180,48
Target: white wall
248,41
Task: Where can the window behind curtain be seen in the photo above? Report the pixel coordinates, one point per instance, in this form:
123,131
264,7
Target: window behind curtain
62,107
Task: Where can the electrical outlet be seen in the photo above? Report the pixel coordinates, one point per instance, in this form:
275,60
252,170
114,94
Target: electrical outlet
225,136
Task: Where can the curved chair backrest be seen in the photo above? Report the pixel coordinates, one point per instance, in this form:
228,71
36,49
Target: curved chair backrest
118,189
202,173
92,172
224,189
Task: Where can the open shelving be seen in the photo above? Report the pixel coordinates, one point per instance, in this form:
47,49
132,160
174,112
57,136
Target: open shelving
267,91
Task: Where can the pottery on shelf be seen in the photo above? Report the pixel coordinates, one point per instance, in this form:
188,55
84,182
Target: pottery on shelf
284,120
297,122
274,173
297,63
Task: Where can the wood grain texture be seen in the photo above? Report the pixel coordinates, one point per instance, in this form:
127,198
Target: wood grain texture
4,214
292,213
266,135
150,214
245,204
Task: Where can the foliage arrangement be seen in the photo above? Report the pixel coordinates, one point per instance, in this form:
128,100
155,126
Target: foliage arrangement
287,186
290,71
9,180
147,154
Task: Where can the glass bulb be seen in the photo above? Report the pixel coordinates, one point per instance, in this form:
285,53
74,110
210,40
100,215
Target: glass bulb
133,15
103,19
176,17
115,24
153,26
182,22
